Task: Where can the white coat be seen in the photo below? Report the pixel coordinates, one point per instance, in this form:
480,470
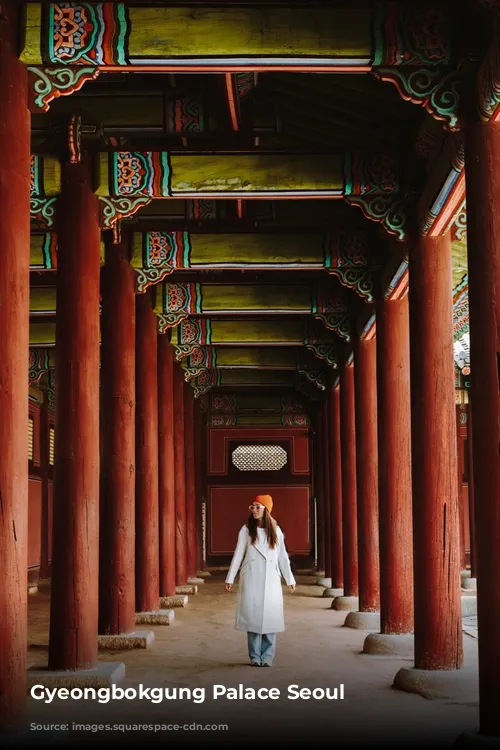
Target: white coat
259,607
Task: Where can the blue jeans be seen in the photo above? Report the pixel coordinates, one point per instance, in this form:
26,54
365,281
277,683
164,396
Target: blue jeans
261,648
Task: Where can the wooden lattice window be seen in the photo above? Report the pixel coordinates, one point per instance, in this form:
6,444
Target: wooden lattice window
31,438
259,457
51,446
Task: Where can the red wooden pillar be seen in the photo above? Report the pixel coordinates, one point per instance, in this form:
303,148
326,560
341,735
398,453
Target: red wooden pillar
117,490
319,484
166,465
190,481
348,458
394,457
14,342
75,538
483,243
199,446
438,625
147,548
326,459
472,504
181,573
365,376
336,490
461,427
44,476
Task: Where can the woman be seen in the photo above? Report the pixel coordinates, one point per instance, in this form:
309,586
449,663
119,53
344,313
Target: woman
262,554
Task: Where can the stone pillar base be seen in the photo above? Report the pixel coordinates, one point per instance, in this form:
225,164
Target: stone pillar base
469,584
469,606
332,593
137,639
475,739
345,603
439,684
401,644
161,617
186,590
203,574
194,581
172,602
324,582
363,620
104,674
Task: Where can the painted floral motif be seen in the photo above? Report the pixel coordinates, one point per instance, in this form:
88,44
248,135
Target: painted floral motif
380,174
198,357
427,36
160,248
295,420
351,249
87,33
190,332
291,404
38,364
202,210
73,31
176,297
185,115
223,403
132,174
223,420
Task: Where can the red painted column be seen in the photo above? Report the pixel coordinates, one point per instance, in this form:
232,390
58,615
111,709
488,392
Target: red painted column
326,458
483,243
75,545
190,480
436,531
166,465
365,377
181,552
348,458
394,460
319,484
44,477
147,547
472,504
14,342
336,490
199,447
117,490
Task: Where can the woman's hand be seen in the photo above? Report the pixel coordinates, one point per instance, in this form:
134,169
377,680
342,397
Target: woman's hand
229,586
292,588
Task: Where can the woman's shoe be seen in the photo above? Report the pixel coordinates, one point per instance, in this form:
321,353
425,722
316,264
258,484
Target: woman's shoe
255,664
266,664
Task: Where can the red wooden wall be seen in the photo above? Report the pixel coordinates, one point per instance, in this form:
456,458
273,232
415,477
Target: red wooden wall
40,480
230,491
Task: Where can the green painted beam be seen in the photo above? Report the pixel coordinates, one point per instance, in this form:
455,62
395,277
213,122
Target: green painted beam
115,35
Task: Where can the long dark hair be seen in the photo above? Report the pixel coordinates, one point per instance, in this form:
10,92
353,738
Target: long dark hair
268,523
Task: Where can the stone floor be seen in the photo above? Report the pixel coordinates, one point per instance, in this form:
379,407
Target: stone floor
202,649
470,626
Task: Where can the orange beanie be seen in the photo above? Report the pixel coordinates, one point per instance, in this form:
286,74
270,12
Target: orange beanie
265,500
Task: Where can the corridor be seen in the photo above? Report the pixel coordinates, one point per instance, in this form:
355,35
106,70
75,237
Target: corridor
201,649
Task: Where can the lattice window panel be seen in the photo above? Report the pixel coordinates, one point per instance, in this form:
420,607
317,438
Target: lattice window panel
51,446
259,457
31,427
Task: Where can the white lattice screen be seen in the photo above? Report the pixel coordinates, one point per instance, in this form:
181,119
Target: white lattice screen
259,457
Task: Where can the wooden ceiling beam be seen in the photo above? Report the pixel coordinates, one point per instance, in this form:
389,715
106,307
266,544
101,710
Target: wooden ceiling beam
320,98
